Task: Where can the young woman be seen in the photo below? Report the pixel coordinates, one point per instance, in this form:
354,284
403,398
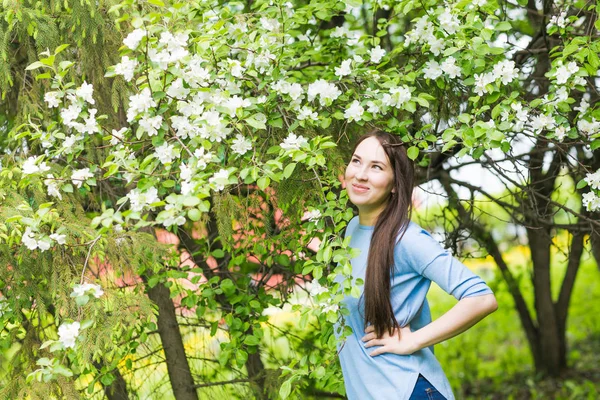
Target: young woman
390,353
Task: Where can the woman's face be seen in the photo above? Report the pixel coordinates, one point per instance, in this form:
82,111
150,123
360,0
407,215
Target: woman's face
369,177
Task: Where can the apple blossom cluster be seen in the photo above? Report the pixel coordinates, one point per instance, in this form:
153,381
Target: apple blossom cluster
33,240
591,199
504,71
4,306
84,289
293,142
68,334
313,215
315,290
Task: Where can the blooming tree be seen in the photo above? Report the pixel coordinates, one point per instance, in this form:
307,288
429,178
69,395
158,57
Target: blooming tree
236,120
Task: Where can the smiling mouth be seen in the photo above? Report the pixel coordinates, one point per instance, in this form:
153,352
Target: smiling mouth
360,188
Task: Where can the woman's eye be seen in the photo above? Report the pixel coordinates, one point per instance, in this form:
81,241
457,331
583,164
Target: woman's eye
378,167
354,160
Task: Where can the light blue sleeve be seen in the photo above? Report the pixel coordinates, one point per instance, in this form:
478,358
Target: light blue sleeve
425,255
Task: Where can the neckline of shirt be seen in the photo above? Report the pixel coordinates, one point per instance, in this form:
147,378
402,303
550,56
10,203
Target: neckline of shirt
366,227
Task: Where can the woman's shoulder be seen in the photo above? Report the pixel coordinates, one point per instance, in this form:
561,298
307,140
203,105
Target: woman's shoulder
416,238
352,225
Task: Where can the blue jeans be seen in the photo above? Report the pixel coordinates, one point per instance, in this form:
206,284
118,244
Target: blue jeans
425,391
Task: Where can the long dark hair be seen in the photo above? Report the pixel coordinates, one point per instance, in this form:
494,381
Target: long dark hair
389,229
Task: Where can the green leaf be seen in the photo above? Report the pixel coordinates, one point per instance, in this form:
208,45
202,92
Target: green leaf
194,214
285,389
263,182
289,169
158,3
413,152
34,65
82,300
581,184
60,48
504,26
257,121
251,341
45,75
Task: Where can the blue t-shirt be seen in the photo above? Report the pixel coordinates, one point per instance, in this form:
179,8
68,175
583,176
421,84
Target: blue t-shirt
419,259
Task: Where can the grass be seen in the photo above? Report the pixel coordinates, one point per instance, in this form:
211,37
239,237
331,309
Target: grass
492,360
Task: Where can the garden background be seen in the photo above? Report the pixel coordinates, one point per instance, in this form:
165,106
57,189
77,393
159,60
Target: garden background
172,213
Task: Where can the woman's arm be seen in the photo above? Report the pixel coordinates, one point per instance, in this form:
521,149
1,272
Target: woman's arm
466,313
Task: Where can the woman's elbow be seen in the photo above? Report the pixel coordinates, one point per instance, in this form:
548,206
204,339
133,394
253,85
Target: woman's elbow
490,304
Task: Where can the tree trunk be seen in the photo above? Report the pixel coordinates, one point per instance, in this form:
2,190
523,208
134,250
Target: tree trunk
595,242
178,368
549,358
117,390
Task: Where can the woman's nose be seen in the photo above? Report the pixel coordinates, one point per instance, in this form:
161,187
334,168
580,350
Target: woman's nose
361,174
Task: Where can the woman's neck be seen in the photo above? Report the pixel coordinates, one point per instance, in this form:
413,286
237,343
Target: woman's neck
369,217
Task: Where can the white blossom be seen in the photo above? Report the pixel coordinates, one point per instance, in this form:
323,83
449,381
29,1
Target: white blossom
220,179
212,118
448,22
354,111
203,157
583,106
541,122
139,200
70,114
560,133
166,153
331,307
344,69
30,167
307,113
234,103
81,175
177,90
117,136
397,97
481,82
85,92
241,145
236,68
376,54
52,98
339,32
174,220
126,68
69,142
593,180
315,288
372,107
559,20
91,288
134,38
587,127
58,238
52,186
139,103
505,71
68,333
313,215
591,201
150,125
28,239
326,91
564,72
432,70
270,24
450,68
293,142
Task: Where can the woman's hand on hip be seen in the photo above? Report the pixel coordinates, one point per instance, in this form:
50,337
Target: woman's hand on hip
402,341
